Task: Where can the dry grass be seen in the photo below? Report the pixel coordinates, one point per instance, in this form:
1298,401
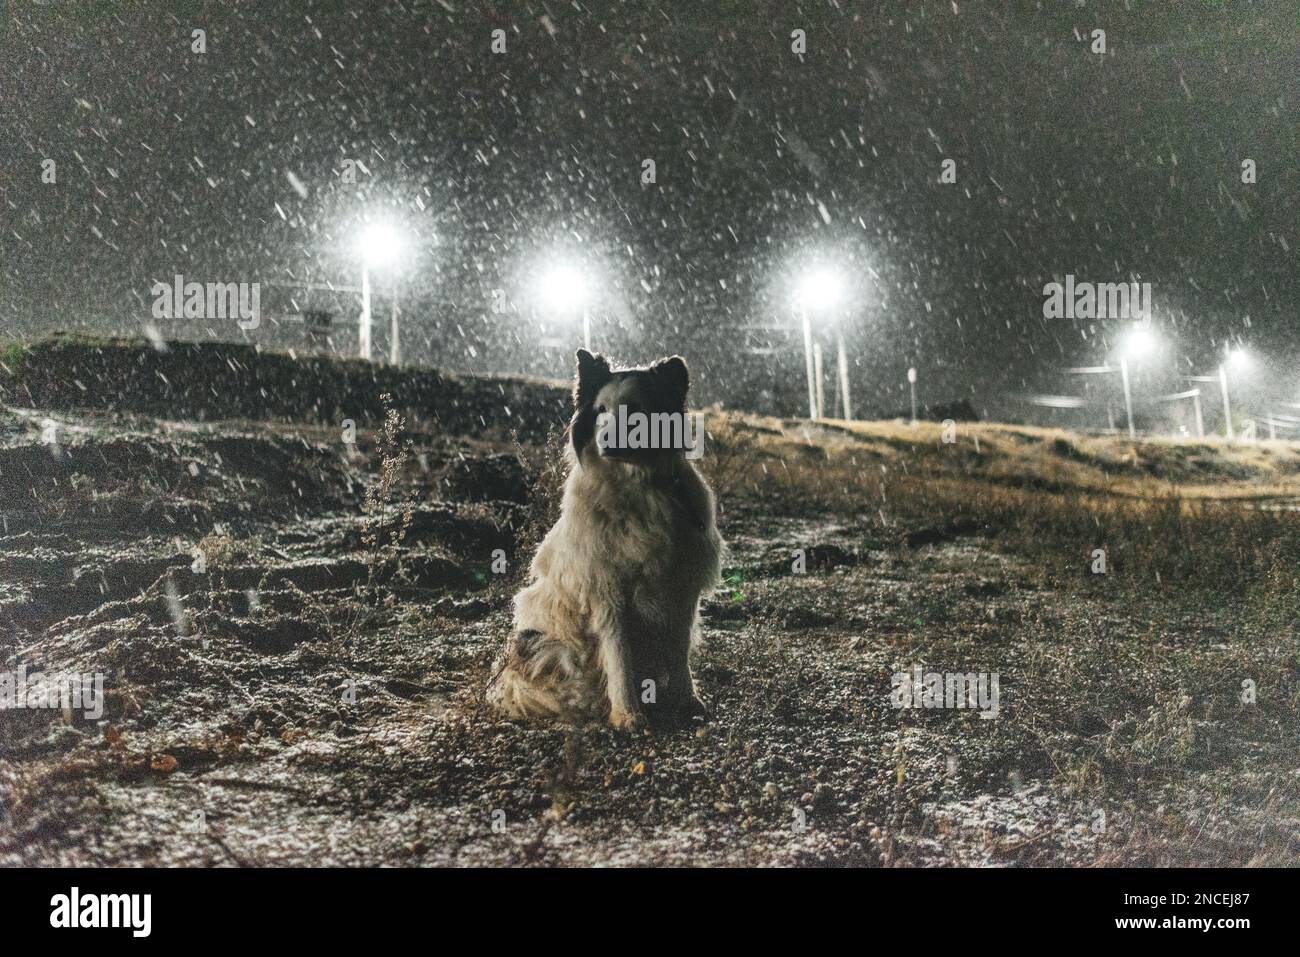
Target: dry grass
386,509
1053,495
1128,685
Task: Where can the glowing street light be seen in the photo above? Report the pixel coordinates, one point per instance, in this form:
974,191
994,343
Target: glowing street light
1236,359
379,246
822,290
911,380
1139,342
562,288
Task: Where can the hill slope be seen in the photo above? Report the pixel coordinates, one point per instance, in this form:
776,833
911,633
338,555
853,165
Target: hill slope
292,669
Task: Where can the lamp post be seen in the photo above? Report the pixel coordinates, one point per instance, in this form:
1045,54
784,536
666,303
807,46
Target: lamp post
1232,357
1227,402
363,336
911,380
1138,342
820,289
394,337
1236,358
379,246
1128,396
808,363
842,360
819,378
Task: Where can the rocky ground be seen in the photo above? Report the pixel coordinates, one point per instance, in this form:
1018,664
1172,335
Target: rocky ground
293,673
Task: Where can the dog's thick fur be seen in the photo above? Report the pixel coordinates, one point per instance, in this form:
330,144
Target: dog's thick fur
613,596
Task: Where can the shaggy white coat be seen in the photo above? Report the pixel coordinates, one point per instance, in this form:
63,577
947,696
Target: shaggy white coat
605,627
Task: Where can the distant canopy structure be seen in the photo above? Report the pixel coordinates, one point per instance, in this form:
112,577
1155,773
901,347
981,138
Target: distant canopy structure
959,411
318,323
304,314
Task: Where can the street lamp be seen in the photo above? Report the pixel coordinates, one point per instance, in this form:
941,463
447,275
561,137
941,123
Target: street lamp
911,380
842,362
1137,343
1236,359
379,246
821,289
562,288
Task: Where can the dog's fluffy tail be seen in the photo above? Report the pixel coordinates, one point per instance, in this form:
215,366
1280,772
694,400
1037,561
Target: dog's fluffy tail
540,677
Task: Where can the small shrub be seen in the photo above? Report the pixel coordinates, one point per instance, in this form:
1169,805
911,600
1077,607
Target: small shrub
386,513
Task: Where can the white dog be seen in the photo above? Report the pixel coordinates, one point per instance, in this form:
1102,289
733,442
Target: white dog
604,628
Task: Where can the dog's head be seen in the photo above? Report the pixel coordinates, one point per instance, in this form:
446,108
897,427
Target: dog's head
608,405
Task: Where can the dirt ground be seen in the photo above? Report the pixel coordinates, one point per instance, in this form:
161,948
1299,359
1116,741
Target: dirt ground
294,677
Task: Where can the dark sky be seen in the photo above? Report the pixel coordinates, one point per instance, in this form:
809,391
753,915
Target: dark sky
1112,168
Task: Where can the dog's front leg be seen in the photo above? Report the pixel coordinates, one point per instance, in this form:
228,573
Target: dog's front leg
616,659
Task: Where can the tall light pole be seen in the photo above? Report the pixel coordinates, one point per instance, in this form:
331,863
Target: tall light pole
842,361
394,337
379,246
911,380
808,363
820,289
820,379
1137,343
1227,402
1128,396
1232,358
363,336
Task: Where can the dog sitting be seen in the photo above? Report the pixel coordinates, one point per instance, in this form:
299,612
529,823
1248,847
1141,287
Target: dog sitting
603,630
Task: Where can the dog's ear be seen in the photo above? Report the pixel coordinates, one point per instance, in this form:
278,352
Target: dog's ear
582,429
593,373
673,377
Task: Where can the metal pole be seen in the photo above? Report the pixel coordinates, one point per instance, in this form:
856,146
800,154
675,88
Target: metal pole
843,361
817,366
586,329
911,380
365,313
1128,398
1227,408
1200,421
808,363
395,343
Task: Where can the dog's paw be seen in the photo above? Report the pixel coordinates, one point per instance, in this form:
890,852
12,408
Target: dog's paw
628,720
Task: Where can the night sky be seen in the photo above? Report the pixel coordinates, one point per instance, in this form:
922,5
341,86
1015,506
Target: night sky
227,166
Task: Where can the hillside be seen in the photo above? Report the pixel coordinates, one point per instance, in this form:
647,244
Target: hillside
292,671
